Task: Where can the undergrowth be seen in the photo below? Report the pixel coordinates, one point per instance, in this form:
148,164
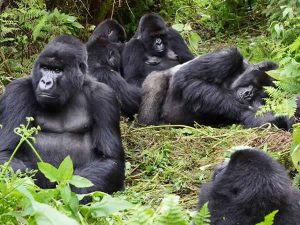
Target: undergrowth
165,166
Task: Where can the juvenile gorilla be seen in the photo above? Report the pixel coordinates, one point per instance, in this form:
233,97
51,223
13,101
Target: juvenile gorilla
78,117
215,89
248,188
154,47
110,30
104,60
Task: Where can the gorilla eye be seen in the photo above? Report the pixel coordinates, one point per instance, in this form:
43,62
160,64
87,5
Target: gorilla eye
57,70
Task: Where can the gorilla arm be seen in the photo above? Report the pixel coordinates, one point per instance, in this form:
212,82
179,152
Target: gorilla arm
177,44
133,62
17,103
202,97
128,94
106,173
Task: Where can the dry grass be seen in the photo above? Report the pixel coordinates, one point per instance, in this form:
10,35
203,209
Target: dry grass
165,159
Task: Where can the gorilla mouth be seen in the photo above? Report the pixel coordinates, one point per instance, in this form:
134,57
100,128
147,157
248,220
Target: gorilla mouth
47,96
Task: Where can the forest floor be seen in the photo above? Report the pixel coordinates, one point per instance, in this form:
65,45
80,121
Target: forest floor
171,160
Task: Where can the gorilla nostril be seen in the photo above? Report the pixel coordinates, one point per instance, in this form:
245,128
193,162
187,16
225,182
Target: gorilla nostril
46,83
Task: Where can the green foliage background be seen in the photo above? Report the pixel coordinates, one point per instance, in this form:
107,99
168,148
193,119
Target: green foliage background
163,163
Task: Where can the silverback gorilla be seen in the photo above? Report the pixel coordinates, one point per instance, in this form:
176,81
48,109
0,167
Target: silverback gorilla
248,188
104,60
215,89
78,117
154,47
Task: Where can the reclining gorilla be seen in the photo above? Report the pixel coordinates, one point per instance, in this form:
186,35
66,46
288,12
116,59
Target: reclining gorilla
154,47
214,89
248,188
78,117
104,60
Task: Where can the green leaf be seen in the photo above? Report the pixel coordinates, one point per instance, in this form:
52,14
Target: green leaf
295,148
269,219
77,25
296,45
171,211
65,170
49,171
46,215
194,39
178,26
70,199
108,206
65,193
203,216
80,182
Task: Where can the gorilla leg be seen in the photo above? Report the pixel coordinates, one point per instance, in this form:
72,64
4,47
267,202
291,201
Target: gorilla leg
111,179
155,88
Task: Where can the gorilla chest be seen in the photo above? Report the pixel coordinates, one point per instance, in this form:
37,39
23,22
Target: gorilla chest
65,132
154,63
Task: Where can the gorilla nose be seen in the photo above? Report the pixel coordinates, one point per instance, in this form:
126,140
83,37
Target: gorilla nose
46,83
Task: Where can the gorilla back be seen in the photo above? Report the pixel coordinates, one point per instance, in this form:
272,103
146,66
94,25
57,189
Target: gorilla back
248,188
78,117
214,89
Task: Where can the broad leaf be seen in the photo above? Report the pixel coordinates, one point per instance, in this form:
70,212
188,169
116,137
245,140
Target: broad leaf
49,171
80,182
178,26
295,149
269,219
65,170
46,215
108,206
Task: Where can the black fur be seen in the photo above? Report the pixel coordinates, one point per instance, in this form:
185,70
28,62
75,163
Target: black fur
250,187
104,59
204,90
81,119
110,30
140,57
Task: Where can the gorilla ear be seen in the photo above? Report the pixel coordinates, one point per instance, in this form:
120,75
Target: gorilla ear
266,66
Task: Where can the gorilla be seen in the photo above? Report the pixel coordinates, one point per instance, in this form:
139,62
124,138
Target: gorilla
214,89
154,47
249,187
104,59
110,30
77,115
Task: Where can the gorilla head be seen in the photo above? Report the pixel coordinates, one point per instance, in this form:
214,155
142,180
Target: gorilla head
152,30
110,30
103,53
59,71
249,84
248,188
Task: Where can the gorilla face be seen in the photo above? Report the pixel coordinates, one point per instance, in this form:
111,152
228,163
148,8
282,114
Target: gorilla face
59,72
49,89
103,53
249,85
156,44
246,93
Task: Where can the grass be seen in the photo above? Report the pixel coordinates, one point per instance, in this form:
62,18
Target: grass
166,159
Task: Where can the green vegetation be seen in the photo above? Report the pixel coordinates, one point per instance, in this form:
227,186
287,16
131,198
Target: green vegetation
165,165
